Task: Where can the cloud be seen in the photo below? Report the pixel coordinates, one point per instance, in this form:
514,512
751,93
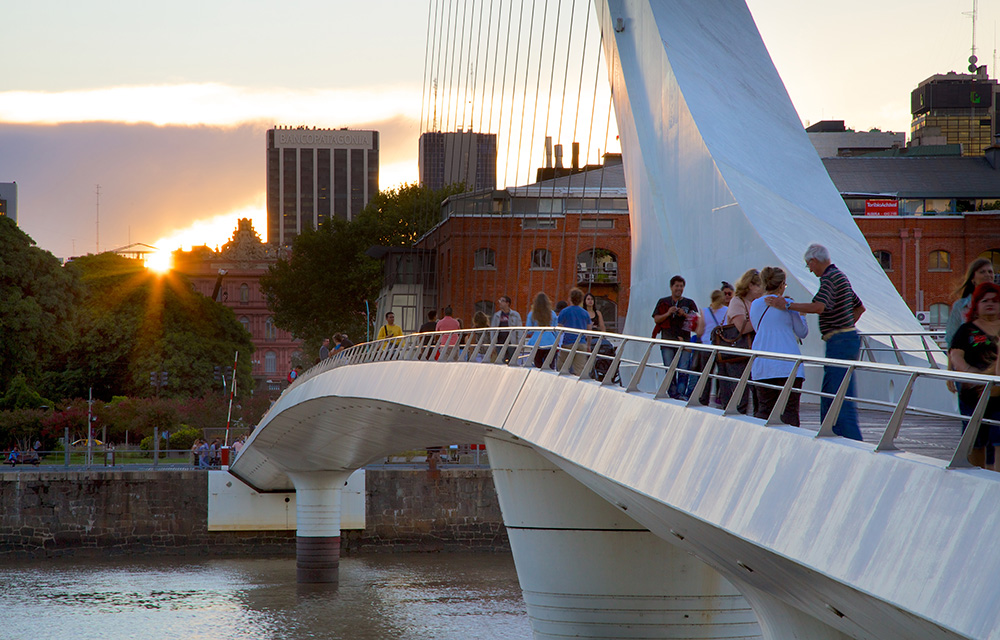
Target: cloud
155,181
210,104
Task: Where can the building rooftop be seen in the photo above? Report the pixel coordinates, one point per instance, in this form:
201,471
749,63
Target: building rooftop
916,177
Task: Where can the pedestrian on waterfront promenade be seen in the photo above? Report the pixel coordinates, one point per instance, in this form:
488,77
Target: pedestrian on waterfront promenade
748,288
979,271
390,330
542,315
324,350
713,315
506,317
447,323
596,318
574,317
672,322
839,309
195,449
778,332
974,350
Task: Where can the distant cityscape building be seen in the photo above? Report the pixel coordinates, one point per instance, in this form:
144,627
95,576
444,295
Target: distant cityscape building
231,276
458,157
316,174
832,140
955,108
8,200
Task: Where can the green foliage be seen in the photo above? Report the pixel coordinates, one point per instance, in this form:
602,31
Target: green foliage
134,322
322,288
21,396
20,427
37,301
181,439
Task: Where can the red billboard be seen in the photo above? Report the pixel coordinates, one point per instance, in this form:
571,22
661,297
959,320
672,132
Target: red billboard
881,207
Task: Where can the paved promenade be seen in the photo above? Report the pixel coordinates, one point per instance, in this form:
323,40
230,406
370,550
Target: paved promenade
927,436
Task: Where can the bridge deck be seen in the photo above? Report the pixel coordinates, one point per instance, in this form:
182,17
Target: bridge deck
929,436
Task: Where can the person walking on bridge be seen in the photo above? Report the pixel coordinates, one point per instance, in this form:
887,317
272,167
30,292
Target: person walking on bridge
839,309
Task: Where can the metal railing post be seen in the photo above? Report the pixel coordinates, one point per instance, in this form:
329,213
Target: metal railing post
961,457
613,367
786,392
734,402
888,441
699,387
66,447
156,447
553,352
671,370
633,384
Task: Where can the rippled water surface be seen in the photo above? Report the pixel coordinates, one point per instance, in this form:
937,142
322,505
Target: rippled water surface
439,596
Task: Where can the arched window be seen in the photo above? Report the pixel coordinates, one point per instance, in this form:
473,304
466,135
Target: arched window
270,362
939,314
485,259
994,256
245,321
884,259
270,331
541,259
244,293
486,306
939,260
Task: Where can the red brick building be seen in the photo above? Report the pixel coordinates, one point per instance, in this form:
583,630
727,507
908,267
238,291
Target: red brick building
548,236
232,276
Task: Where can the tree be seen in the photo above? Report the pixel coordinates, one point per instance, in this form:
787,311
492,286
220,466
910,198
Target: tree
37,301
133,323
323,286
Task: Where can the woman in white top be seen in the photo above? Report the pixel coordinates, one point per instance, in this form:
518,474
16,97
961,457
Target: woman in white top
715,315
779,333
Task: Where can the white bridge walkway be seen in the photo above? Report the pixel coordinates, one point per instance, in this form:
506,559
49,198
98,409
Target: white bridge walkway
610,493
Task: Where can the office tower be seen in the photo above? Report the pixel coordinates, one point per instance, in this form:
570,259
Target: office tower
458,156
316,174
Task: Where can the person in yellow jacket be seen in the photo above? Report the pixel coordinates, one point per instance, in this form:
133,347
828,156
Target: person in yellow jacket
390,330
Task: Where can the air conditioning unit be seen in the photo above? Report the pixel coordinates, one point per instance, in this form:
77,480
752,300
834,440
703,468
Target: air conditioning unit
924,317
610,267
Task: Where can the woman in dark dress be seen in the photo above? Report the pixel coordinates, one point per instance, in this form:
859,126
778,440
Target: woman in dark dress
974,350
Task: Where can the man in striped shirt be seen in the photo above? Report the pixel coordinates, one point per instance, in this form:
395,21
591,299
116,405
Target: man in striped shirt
839,309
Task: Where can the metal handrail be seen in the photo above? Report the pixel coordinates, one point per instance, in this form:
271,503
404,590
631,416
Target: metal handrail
439,346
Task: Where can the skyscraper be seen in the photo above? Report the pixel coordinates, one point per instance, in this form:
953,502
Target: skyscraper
955,108
458,156
315,174
8,200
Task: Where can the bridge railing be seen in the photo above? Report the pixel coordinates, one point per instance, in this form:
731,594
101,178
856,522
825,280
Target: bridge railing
929,346
632,362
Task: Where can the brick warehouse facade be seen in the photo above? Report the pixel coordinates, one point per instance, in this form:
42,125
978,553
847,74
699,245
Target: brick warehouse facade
926,257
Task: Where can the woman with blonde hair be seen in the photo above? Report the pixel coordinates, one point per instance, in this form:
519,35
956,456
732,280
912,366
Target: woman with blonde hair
541,315
748,288
778,332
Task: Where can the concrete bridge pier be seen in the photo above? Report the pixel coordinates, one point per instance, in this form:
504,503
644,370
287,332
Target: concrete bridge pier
588,570
317,513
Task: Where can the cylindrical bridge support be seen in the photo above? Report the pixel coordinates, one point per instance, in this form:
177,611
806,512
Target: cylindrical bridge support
317,513
587,570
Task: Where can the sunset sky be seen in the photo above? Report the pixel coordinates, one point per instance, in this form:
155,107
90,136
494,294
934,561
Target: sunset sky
165,106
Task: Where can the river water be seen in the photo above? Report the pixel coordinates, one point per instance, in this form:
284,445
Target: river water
379,597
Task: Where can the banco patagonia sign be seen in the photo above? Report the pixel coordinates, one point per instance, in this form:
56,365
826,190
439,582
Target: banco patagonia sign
314,138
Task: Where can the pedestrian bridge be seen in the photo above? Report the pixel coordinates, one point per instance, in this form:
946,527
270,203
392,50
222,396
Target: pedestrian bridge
632,515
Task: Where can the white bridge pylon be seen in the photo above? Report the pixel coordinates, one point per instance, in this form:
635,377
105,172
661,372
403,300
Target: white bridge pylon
610,495
721,174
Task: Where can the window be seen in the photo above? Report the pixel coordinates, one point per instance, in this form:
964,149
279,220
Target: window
486,259
550,205
538,223
245,321
270,362
541,259
939,314
599,223
486,306
270,331
940,260
244,293
404,305
884,259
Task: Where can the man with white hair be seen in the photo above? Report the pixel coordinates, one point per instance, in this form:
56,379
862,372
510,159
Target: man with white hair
839,309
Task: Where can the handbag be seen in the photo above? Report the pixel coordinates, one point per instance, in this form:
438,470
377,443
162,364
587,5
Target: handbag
728,335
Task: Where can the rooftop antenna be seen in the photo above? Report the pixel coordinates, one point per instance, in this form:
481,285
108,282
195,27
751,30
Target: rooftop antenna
973,60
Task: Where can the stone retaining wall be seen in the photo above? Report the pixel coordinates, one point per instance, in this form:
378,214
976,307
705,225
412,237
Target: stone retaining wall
53,513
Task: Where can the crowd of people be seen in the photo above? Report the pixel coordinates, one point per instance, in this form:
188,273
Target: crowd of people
753,313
